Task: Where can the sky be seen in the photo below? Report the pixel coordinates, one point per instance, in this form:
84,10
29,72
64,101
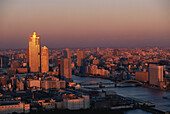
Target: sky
85,23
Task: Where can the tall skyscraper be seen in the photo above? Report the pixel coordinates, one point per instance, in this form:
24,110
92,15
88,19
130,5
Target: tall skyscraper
66,53
155,74
66,70
44,60
80,58
34,52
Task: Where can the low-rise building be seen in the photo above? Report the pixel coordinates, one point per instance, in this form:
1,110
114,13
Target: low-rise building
14,107
77,103
142,76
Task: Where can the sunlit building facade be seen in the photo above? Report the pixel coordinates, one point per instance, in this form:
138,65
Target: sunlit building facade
66,68
34,52
44,60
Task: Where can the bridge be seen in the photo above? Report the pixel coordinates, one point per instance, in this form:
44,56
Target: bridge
129,82
117,84
89,82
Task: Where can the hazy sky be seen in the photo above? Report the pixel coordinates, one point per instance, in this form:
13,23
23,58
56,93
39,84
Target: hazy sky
85,23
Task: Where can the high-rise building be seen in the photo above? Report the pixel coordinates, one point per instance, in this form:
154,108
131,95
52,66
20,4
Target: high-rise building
44,60
34,52
65,67
59,68
66,53
155,74
4,61
80,58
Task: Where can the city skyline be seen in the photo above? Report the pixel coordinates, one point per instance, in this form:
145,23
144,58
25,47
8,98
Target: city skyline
76,24
85,56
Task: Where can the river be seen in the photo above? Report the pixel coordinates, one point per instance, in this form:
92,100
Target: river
145,94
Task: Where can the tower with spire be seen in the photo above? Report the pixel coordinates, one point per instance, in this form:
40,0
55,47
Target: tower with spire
38,57
34,52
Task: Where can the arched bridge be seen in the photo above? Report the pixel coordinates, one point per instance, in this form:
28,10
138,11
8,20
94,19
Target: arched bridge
89,83
129,82
116,83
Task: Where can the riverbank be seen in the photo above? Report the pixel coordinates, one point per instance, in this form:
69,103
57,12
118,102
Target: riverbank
108,78
143,93
87,111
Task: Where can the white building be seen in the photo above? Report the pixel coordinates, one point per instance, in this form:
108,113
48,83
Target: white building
77,103
155,74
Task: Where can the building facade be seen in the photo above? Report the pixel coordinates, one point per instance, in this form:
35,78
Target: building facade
66,70
44,60
34,52
4,61
142,76
80,58
155,74
17,108
65,67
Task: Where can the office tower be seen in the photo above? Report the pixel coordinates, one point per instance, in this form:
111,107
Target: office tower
59,68
65,67
80,58
44,60
34,52
66,53
155,74
4,61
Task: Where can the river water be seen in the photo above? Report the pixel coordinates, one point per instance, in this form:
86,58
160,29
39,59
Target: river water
145,94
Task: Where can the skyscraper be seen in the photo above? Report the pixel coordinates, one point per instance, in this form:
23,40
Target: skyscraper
80,58
44,59
155,74
66,53
66,70
34,52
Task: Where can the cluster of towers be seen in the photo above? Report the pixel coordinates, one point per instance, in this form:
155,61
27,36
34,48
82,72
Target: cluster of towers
38,57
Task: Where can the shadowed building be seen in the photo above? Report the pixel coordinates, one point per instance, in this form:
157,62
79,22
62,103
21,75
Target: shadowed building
80,58
66,65
44,59
4,61
66,53
34,52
